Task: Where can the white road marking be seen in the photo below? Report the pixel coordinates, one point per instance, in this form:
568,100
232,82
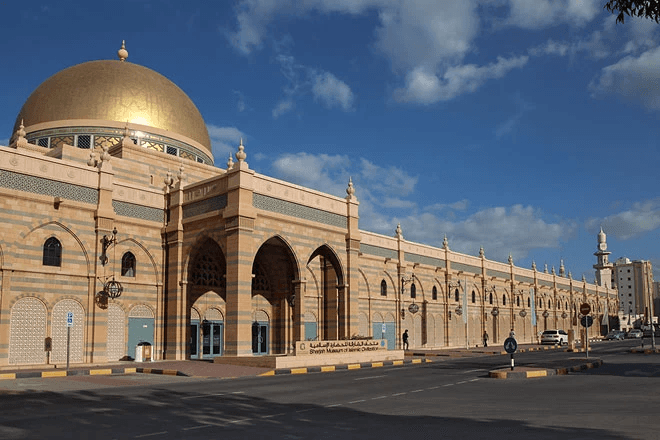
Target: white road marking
369,377
304,410
379,397
417,391
448,384
473,380
331,406
473,371
238,392
463,381
196,427
150,435
203,395
399,394
272,415
357,401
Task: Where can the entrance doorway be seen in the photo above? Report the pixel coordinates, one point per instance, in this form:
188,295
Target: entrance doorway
260,338
206,339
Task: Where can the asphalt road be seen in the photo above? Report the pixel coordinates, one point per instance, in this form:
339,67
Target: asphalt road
449,398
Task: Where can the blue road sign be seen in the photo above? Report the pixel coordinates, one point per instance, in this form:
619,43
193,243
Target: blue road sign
69,319
510,345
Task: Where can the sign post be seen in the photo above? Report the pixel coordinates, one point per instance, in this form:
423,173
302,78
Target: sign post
510,346
69,324
585,309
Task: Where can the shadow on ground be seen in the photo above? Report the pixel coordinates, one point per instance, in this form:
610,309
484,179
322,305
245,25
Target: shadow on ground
167,414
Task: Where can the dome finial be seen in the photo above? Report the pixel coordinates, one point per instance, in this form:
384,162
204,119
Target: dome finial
350,190
240,154
122,53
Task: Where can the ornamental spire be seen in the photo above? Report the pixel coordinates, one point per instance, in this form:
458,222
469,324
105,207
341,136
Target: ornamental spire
122,53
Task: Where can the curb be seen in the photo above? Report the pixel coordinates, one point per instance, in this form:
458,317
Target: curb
87,372
645,350
503,374
484,351
332,368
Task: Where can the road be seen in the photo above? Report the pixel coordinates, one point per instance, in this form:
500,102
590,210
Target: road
449,398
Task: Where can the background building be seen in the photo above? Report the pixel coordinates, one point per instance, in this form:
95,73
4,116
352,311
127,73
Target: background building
634,282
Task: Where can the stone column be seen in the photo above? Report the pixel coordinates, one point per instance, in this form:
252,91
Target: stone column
299,311
239,216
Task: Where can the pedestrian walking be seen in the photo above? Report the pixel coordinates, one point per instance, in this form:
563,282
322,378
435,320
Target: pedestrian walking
405,339
485,338
512,334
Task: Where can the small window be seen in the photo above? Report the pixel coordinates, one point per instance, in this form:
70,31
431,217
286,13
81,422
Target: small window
43,142
413,291
52,252
518,301
171,150
503,300
529,302
84,141
128,265
490,298
456,295
383,288
474,297
434,293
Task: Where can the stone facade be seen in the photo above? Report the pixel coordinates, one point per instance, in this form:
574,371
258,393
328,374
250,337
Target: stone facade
231,262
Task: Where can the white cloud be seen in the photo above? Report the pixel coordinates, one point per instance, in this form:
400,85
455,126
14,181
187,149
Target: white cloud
634,78
322,172
332,91
641,218
425,87
500,230
460,205
545,13
282,107
224,140
240,101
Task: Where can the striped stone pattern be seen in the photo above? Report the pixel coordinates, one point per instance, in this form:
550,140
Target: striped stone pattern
279,206
378,251
138,211
40,185
498,274
422,259
204,206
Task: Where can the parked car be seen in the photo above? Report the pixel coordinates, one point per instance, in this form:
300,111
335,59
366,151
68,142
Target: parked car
634,334
615,334
558,337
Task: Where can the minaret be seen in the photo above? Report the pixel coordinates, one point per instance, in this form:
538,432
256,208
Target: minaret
604,267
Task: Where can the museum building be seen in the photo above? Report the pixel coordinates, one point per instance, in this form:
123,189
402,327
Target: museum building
118,228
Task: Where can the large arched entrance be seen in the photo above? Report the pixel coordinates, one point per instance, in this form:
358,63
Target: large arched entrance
275,291
206,301
332,300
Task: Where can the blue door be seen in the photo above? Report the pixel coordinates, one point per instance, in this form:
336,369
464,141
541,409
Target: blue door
139,330
260,338
310,331
389,334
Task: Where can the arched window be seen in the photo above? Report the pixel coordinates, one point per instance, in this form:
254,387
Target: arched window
434,293
52,252
128,265
383,288
490,298
474,297
518,301
529,302
503,300
413,291
456,295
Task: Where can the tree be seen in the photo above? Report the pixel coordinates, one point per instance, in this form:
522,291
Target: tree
634,8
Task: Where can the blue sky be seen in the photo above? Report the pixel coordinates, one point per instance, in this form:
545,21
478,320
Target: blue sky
516,125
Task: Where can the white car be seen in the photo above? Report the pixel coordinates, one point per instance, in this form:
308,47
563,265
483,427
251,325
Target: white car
634,334
556,337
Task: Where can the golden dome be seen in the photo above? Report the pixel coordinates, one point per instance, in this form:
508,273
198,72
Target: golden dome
115,91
